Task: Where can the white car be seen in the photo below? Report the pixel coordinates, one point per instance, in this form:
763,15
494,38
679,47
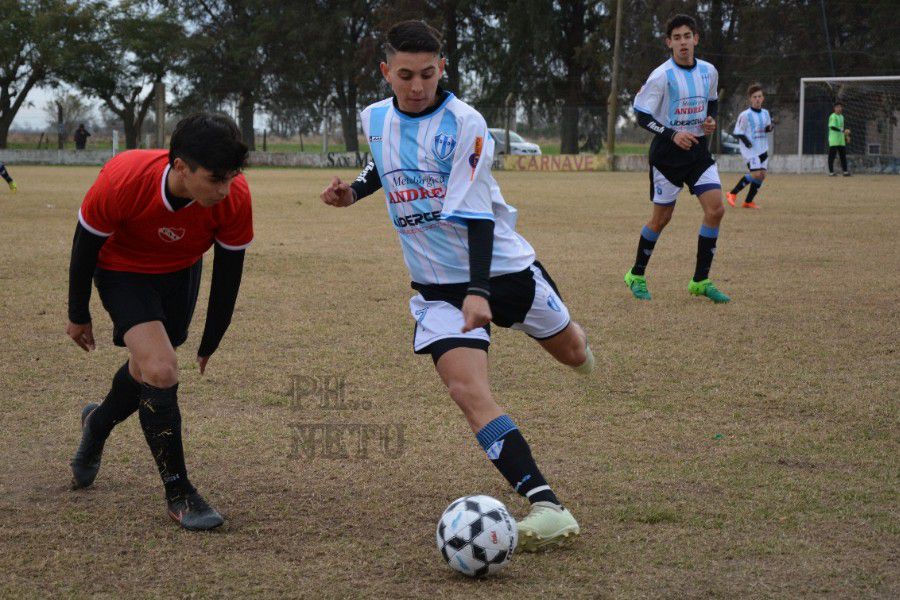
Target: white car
517,144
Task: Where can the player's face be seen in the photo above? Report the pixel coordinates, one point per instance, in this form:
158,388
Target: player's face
202,185
838,109
756,100
414,77
682,42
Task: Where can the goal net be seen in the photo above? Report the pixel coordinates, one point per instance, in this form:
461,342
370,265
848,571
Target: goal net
871,113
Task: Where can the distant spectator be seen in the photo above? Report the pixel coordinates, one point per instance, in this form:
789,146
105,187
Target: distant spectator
837,139
81,136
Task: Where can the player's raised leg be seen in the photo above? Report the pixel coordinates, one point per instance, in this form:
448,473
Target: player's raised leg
155,359
713,211
465,373
742,182
97,421
757,177
7,178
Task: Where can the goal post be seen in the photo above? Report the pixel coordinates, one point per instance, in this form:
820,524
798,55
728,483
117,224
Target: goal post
871,112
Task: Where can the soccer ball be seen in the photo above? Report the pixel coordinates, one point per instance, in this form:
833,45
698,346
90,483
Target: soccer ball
476,535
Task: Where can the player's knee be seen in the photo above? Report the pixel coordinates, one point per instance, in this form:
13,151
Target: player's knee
761,175
161,372
716,212
468,395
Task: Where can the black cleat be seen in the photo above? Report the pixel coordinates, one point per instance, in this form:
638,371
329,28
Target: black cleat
86,462
192,512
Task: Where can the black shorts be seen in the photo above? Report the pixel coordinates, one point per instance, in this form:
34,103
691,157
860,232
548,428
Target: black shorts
135,298
678,166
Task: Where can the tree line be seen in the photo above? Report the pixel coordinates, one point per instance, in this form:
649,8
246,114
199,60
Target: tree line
547,60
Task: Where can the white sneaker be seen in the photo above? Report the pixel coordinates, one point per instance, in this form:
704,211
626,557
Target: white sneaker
545,526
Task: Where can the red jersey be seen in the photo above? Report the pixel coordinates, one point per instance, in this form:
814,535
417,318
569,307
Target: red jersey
128,204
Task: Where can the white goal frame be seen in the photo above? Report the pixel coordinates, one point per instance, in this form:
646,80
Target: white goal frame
804,81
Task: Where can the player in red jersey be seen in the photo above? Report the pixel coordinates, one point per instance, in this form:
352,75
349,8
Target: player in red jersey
142,230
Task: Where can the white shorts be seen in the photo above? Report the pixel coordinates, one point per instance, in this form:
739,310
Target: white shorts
759,162
527,301
665,192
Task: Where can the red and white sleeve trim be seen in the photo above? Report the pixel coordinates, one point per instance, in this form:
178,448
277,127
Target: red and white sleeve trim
230,247
93,230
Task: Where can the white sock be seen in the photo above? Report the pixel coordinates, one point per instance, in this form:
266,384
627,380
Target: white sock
588,365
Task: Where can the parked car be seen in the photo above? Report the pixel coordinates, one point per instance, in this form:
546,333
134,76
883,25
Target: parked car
730,144
517,143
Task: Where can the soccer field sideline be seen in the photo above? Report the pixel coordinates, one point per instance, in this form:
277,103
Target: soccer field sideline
740,450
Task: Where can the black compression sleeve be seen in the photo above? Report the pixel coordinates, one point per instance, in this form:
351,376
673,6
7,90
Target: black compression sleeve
481,250
367,183
712,108
744,139
835,129
653,126
85,249
228,266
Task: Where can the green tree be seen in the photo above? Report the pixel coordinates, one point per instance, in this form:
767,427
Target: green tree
36,38
131,48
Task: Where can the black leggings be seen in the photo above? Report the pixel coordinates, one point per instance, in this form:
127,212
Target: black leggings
832,150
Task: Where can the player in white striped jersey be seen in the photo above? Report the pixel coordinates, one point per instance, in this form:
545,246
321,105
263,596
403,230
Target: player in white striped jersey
432,154
752,130
678,104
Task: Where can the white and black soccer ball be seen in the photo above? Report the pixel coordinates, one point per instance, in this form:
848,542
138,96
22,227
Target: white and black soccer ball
476,535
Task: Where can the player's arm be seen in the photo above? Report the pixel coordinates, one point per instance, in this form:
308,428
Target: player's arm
647,121
98,218
228,268
340,194
476,309
85,250
744,140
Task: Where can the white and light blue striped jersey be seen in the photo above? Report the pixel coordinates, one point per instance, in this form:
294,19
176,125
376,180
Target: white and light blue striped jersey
677,96
753,124
436,173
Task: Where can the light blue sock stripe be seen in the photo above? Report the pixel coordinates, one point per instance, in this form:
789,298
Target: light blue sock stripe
748,178
649,234
709,232
495,430
758,182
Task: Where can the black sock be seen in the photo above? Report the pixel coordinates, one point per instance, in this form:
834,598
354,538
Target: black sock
161,422
120,403
4,173
740,185
645,249
508,450
706,249
754,187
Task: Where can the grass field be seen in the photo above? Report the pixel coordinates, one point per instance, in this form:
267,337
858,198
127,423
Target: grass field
744,450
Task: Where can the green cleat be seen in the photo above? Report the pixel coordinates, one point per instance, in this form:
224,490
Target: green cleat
638,285
546,526
706,288
13,187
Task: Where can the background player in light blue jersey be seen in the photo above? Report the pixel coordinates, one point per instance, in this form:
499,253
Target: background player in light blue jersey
678,104
432,154
752,128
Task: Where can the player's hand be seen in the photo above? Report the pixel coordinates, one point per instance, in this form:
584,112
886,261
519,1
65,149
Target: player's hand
770,128
201,361
476,312
846,132
684,140
82,335
709,126
337,194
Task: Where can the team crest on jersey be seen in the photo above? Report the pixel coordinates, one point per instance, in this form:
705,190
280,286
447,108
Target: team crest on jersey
171,234
444,145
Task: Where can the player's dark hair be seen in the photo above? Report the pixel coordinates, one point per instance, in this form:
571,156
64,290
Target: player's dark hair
211,141
412,36
838,103
680,21
753,88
